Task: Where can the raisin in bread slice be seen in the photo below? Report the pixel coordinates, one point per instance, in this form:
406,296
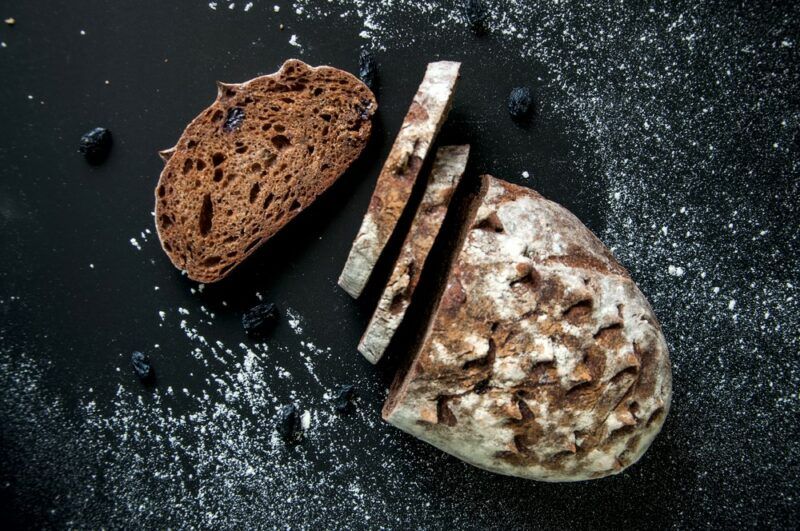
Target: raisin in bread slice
543,359
448,167
253,160
425,117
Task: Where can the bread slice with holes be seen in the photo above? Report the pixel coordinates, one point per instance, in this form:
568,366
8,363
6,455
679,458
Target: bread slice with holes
543,359
425,117
253,160
448,167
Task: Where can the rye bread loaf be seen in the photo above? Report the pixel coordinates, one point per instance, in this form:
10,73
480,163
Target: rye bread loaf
253,160
543,359
448,167
425,117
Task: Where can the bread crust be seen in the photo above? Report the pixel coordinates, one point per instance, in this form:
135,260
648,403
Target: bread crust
543,359
448,168
425,117
253,160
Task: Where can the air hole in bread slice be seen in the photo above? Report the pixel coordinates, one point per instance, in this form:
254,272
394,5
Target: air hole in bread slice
268,200
205,219
217,158
279,128
218,175
254,190
280,141
200,165
187,165
212,261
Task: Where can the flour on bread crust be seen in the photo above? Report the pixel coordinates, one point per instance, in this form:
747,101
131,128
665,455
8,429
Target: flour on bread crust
542,359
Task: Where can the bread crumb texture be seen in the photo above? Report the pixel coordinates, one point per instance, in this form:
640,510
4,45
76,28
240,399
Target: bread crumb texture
253,160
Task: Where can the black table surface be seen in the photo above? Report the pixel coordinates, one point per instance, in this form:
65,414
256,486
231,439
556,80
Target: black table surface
669,128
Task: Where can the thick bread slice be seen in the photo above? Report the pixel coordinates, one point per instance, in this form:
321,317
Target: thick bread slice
396,181
448,167
259,155
543,359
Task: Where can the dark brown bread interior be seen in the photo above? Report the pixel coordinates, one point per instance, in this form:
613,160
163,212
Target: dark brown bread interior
249,163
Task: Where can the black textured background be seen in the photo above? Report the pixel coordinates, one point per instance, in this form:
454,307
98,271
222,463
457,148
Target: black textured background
58,215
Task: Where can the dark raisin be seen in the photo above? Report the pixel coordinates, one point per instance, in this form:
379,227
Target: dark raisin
288,424
142,367
260,319
343,402
367,68
234,119
477,16
362,110
520,103
96,145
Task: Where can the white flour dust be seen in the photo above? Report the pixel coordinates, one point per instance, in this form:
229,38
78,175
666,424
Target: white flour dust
689,114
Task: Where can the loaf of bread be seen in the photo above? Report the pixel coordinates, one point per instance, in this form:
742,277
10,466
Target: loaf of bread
425,117
448,167
253,160
542,359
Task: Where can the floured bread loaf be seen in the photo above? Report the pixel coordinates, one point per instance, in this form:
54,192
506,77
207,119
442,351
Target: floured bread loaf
542,359
253,160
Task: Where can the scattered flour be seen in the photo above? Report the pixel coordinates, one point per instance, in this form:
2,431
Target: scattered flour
664,97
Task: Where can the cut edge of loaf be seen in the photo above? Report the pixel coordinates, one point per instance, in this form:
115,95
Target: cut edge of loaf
421,125
448,168
208,256
404,374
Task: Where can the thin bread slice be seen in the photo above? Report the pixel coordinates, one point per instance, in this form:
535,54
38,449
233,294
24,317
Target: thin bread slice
425,117
542,359
253,160
448,167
